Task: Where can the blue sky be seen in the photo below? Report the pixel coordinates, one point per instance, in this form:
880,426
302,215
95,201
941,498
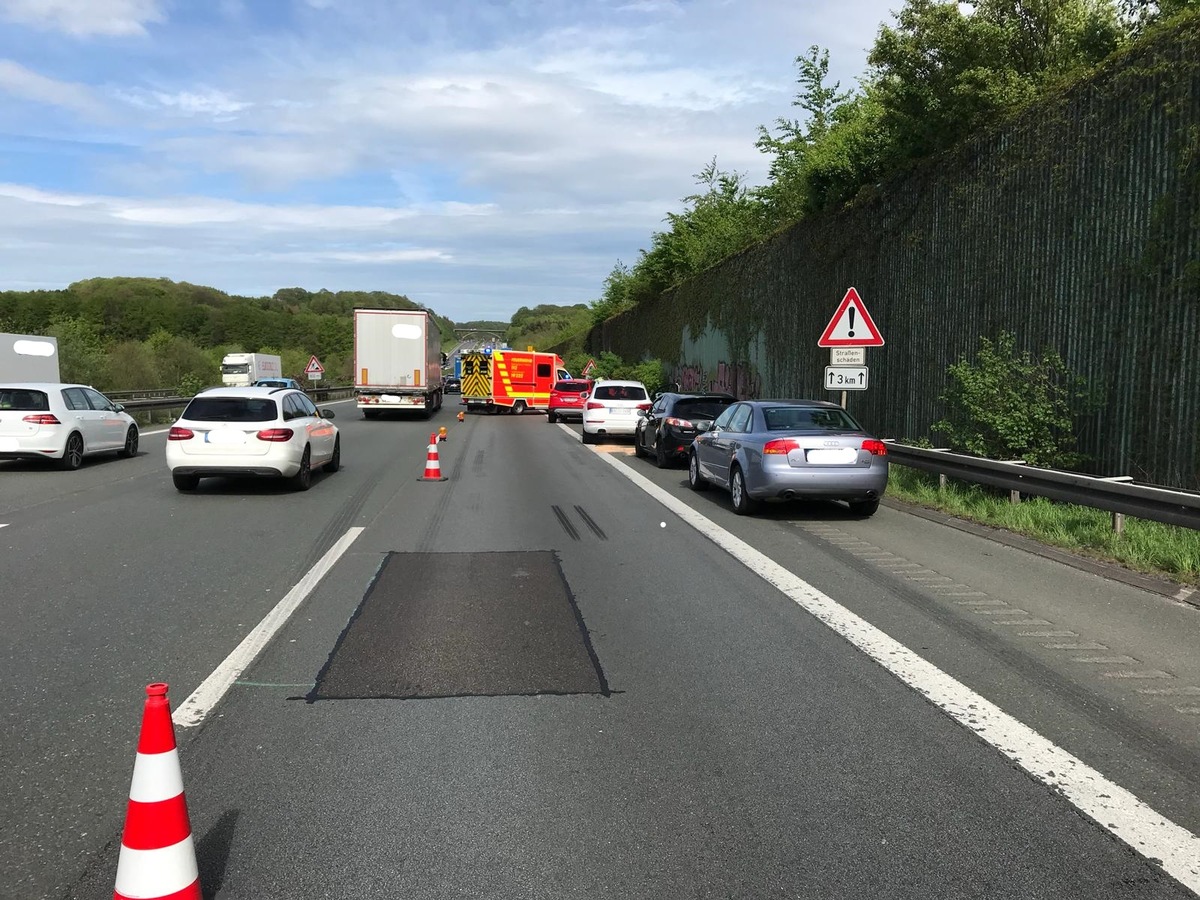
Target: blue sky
475,155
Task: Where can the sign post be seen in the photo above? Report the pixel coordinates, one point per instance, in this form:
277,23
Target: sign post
848,334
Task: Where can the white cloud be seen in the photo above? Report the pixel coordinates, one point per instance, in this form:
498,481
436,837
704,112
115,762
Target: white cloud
82,18
366,144
199,102
26,84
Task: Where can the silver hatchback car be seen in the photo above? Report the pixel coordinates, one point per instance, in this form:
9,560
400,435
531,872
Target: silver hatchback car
790,450
62,422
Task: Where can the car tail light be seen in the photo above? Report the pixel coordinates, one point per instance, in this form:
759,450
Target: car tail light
874,447
644,406
275,434
781,445
180,434
43,419
592,404
678,423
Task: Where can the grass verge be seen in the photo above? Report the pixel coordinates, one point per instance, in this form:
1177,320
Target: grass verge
1149,547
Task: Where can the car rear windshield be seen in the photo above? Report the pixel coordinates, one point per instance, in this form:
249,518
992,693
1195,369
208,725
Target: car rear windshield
619,392
571,387
808,418
24,400
231,409
700,407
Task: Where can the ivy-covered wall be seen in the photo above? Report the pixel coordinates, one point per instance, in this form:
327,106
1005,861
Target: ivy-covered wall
1076,226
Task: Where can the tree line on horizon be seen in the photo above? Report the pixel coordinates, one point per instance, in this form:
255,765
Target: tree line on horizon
131,333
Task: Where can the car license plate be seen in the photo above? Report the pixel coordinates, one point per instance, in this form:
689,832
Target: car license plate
225,436
838,456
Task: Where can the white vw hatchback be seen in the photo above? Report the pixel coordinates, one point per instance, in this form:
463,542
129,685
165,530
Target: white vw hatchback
63,422
252,431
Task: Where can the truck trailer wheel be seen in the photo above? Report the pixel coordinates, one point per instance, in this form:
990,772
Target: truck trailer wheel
518,408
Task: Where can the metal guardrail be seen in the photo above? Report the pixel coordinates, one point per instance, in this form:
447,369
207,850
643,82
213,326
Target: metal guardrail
1116,495
168,399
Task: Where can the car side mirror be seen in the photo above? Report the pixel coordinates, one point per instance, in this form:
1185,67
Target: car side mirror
703,426
584,395
327,414
118,407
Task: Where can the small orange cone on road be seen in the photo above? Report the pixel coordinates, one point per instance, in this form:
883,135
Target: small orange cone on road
442,433
433,468
461,415
158,858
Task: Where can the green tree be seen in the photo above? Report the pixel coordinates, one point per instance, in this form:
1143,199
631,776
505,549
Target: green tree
1008,404
942,73
786,197
81,351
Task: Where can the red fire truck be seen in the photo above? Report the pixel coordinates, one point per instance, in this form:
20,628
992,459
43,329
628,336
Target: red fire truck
509,380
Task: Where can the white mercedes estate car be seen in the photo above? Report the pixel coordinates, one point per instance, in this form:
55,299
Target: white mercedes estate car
259,432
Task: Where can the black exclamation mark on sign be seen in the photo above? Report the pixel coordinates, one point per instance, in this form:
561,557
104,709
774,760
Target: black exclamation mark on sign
851,331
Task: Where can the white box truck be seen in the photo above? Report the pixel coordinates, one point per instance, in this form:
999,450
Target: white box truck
28,357
243,369
397,361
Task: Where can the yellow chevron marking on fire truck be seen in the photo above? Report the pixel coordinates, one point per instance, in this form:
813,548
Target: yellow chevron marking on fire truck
476,380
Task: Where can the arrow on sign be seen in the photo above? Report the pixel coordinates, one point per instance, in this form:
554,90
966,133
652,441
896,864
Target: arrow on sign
851,325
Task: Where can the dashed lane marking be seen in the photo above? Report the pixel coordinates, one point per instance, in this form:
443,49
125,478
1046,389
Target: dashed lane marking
1139,673
1106,660
1046,634
1112,807
1079,645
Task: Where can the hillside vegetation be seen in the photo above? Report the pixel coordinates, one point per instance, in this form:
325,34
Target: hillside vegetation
129,333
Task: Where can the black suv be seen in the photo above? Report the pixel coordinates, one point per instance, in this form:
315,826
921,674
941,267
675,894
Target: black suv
665,432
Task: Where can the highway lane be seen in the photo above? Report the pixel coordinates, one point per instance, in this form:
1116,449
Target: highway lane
740,748
112,580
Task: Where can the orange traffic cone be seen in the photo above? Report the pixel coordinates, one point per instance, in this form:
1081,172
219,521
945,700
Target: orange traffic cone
461,415
433,468
442,435
158,859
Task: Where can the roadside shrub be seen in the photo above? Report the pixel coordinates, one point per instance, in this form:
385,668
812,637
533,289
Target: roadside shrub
1010,405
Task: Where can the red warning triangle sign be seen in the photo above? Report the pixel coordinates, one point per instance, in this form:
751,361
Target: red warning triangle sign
851,325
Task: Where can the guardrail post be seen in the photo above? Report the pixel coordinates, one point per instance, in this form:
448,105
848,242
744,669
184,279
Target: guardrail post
1014,497
941,482
1118,519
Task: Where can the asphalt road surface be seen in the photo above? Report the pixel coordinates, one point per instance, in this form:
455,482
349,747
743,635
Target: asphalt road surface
560,673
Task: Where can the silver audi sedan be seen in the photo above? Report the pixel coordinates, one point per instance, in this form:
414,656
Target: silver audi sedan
774,450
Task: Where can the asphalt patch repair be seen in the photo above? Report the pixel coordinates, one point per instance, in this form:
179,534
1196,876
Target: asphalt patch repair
463,625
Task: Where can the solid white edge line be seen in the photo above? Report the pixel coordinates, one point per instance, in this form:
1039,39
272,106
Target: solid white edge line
196,707
1111,806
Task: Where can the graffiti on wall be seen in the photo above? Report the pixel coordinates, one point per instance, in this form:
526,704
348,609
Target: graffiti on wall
739,379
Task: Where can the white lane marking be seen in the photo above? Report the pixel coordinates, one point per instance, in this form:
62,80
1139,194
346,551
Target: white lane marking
195,708
1113,808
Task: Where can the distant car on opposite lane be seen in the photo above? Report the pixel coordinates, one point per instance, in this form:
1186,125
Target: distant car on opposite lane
665,431
790,450
62,422
252,431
